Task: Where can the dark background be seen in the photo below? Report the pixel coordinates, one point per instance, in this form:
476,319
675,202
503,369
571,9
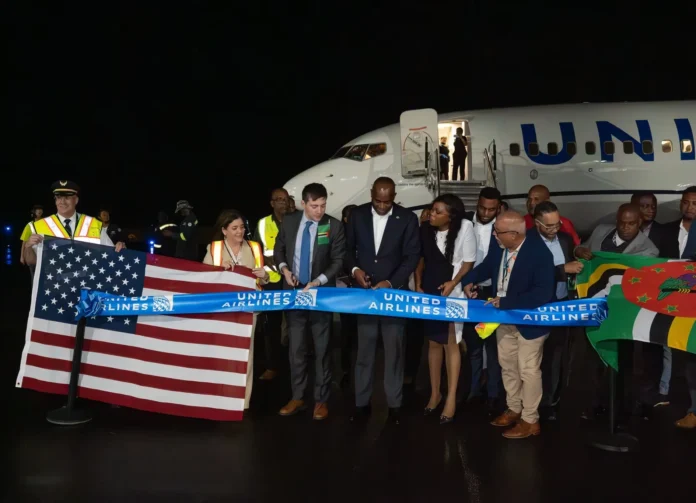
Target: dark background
144,105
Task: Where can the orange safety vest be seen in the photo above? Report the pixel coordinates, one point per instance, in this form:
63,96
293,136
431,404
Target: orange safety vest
88,228
216,252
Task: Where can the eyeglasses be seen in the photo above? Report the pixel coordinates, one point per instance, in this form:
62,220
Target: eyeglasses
551,227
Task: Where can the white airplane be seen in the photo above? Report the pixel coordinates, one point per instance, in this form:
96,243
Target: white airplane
592,157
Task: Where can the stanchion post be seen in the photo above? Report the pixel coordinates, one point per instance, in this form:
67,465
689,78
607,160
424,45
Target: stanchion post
611,440
70,414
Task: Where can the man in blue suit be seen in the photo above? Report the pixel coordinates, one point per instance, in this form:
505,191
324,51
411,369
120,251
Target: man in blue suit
522,274
383,249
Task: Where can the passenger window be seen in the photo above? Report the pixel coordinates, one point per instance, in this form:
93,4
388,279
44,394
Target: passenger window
590,148
571,148
647,147
515,149
375,150
686,146
341,152
609,147
628,147
356,153
666,146
533,149
552,148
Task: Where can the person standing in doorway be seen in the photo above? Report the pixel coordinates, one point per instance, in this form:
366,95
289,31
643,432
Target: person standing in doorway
459,155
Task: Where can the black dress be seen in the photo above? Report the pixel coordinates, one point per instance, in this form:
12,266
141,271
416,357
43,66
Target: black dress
437,271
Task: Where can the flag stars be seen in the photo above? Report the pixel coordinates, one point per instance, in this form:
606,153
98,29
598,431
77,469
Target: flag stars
112,263
115,288
127,266
99,286
132,291
47,292
68,265
58,271
635,280
61,256
63,295
92,277
56,286
135,275
85,268
49,277
136,260
94,261
118,273
88,253
126,321
52,261
66,280
671,309
125,281
53,301
70,304
108,279
75,274
83,284
104,255
644,298
71,250
101,270
78,259
110,319
73,289
121,258
54,246
44,307
61,310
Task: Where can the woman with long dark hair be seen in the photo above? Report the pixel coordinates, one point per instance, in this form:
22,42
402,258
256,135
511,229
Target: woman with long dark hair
230,249
448,253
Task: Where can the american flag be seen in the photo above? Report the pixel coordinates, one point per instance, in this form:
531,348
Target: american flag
186,365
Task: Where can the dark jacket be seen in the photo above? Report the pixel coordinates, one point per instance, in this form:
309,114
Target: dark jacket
567,245
327,259
532,282
670,242
186,246
399,252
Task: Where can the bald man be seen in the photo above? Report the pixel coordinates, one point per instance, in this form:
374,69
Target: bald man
523,276
539,194
623,237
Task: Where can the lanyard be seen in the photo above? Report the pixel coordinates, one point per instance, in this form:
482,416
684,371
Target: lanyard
235,258
506,262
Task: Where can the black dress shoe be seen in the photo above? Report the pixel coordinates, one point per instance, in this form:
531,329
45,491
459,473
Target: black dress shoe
361,414
395,415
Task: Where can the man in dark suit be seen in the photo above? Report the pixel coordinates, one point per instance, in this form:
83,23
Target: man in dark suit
547,222
680,242
647,202
383,251
522,276
309,251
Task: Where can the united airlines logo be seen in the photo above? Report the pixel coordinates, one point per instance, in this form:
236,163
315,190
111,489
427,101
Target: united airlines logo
162,303
308,298
456,309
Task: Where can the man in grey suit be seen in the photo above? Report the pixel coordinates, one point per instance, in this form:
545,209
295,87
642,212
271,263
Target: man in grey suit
625,237
309,251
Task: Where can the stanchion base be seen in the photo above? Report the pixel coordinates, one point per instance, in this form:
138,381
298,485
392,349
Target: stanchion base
68,417
617,442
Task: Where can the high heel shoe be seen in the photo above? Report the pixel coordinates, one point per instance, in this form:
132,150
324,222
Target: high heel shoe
428,411
446,419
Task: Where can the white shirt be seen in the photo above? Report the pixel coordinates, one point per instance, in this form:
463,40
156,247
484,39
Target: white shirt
507,262
617,240
465,248
683,236
483,241
379,223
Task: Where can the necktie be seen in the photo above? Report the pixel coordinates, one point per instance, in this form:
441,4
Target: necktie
305,259
67,227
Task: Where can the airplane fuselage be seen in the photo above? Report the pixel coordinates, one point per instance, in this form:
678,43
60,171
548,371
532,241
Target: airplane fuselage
592,157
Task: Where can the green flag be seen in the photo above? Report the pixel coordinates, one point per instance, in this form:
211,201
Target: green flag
649,299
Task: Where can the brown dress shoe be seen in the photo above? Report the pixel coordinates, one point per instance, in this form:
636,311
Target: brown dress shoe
321,411
688,422
523,429
506,418
292,407
268,375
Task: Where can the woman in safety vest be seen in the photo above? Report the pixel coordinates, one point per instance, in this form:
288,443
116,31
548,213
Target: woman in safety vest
230,249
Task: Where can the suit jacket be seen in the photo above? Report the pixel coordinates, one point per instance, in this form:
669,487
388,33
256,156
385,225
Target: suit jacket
532,280
670,241
567,245
327,259
399,251
641,245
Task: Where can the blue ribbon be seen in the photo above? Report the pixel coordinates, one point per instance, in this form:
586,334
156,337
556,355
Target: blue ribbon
383,302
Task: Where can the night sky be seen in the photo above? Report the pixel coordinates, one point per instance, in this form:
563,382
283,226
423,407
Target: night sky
143,106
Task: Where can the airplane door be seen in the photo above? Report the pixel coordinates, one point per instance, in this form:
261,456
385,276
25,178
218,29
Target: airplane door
419,147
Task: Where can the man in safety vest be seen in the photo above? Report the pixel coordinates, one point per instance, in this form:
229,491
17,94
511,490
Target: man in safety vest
266,233
186,246
67,223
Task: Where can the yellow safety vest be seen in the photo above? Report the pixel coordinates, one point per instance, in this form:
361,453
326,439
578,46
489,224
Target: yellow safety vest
268,232
88,229
216,252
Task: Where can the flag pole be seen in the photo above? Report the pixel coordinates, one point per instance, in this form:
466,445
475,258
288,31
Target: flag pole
612,440
70,414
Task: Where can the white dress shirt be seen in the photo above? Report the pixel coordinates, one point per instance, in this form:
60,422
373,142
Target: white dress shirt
379,223
483,241
507,261
104,238
683,237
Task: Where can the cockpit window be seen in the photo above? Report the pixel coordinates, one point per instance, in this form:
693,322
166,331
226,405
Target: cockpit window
341,152
375,150
356,153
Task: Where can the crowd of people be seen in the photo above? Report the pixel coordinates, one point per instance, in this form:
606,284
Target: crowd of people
510,260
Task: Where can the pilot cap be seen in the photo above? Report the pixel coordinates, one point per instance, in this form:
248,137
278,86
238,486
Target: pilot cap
182,205
65,188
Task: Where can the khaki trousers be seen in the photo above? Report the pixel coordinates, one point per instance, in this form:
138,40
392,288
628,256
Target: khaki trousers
520,361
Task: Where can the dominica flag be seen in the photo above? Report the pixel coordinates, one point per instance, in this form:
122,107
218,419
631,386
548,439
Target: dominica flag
649,299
